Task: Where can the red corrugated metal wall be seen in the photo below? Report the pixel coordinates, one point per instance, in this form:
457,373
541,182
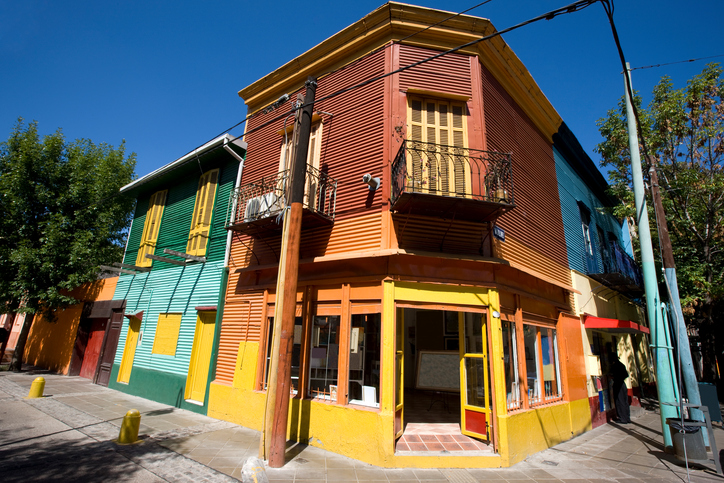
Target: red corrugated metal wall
536,221
352,145
449,74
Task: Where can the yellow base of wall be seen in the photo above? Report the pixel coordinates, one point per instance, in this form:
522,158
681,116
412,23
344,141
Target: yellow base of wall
356,433
359,433
528,432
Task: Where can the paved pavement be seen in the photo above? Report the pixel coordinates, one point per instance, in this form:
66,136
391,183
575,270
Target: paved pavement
68,436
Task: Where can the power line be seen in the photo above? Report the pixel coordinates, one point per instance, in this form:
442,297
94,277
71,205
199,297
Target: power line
442,21
571,8
678,62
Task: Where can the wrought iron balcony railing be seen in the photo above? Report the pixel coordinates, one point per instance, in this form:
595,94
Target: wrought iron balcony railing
428,169
265,199
620,271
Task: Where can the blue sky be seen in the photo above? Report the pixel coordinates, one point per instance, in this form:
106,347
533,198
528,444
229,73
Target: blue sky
164,75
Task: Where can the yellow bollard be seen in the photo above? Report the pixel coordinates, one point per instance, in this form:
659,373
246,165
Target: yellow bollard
36,388
129,427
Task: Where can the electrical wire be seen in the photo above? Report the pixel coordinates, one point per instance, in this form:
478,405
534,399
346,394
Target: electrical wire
571,8
678,62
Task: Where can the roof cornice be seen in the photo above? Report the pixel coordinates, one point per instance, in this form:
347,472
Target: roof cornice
394,21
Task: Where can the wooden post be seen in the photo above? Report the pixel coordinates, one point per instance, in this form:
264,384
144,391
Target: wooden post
291,239
273,369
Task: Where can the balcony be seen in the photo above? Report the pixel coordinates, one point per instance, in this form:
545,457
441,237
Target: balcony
450,182
255,209
620,272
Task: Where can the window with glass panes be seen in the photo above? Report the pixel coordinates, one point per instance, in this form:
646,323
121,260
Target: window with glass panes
542,366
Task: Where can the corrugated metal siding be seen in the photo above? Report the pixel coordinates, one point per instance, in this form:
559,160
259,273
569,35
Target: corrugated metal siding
352,145
536,221
361,233
449,74
174,290
437,235
242,321
177,214
572,189
171,288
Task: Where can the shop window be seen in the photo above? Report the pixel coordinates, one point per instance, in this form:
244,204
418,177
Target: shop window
296,353
151,226
167,331
324,357
541,358
510,360
364,360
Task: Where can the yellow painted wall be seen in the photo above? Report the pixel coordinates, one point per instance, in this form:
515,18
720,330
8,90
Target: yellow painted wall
527,432
603,302
50,344
368,435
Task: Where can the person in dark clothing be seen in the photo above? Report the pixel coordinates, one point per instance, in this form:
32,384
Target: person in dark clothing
620,392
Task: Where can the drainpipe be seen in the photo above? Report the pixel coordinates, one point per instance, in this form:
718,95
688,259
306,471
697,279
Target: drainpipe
664,372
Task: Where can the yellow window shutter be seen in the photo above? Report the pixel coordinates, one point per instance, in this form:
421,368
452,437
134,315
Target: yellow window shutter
151,228
203,210
167,331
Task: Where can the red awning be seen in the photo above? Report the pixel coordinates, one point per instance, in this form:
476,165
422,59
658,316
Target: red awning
614,325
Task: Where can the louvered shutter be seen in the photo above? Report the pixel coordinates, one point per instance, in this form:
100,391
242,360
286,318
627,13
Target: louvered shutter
439,166
203,210
151,228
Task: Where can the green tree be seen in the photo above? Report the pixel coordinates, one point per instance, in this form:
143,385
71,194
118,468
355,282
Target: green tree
62,217
684,129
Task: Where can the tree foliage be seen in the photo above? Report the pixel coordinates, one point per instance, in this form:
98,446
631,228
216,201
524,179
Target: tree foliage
62,216
684,129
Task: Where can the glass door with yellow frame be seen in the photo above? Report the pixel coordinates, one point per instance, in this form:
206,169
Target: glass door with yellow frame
475,397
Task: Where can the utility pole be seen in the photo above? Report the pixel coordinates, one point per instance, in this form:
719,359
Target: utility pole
290,273
273,369
664,372
686,365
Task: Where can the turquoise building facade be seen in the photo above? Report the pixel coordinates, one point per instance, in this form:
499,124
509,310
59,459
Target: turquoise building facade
174,274
605,275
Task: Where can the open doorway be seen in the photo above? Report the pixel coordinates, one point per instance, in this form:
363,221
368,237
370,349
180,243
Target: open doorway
447,397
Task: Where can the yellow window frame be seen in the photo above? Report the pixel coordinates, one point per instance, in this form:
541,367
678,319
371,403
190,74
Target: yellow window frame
151,228
203,210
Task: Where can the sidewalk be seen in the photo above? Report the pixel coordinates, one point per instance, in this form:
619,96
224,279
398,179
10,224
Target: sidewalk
68,436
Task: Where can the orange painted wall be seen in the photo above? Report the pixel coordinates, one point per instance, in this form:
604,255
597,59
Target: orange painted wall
534,229
50,344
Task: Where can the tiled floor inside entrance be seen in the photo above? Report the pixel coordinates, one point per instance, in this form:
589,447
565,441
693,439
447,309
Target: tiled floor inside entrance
432,424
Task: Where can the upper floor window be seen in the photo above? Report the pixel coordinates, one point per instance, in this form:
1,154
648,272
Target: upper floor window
151,227
314,154
442,126
203,209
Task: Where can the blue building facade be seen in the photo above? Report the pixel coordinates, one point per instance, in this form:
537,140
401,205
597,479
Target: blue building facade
608,280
